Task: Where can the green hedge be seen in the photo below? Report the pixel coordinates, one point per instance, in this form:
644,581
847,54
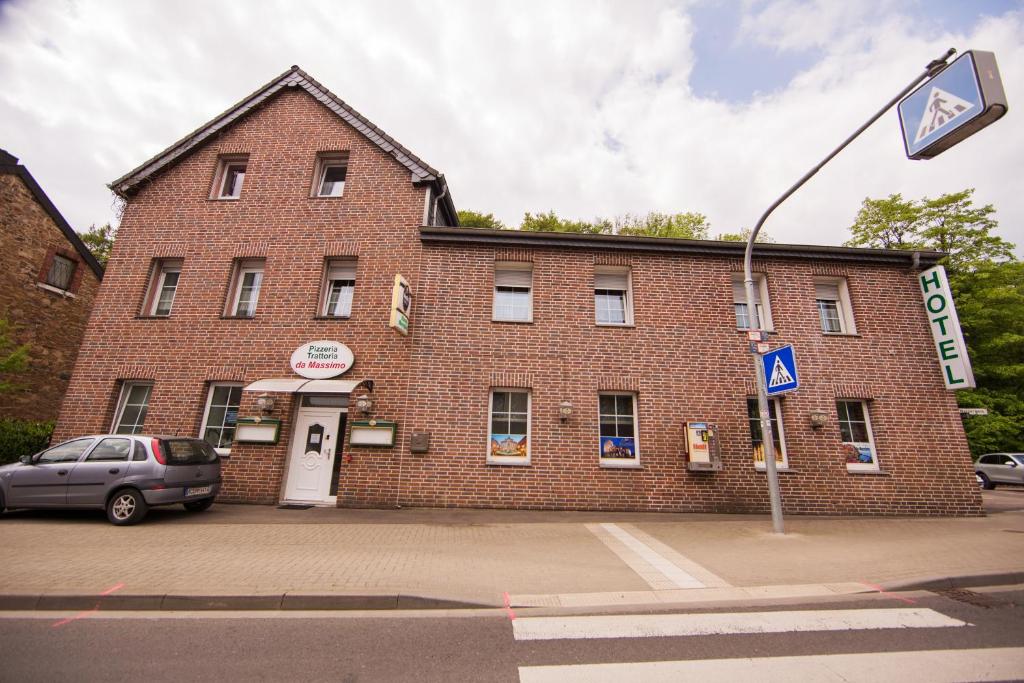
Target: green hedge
22,437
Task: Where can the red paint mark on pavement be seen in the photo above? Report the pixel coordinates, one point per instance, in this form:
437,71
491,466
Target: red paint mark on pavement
891,595
82,615
508,607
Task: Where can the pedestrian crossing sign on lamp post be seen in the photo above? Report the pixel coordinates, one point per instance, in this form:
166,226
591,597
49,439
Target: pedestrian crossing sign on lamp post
957,102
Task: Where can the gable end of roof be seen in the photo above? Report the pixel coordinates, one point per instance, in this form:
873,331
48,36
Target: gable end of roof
295,77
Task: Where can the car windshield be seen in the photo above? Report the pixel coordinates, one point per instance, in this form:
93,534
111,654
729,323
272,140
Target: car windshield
189,452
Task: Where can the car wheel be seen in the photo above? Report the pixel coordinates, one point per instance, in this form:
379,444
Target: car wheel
126,507
983,481
199,505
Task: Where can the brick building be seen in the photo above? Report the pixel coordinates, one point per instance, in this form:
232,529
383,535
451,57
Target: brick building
529,370
48,282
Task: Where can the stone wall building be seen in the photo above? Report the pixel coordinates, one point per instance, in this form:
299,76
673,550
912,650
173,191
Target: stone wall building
48,282
539,370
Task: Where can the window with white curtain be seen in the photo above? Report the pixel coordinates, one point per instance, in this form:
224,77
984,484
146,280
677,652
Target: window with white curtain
832,299
612,301
513,292
339,288
739,302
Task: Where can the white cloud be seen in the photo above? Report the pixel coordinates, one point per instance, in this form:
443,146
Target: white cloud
580,107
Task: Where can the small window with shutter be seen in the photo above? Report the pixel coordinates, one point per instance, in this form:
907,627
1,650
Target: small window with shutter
513,292
339,288
739,303
833,302
612,300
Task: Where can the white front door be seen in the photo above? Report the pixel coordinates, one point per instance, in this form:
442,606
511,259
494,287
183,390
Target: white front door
314,447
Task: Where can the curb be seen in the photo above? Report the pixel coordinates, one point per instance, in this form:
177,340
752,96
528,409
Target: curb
268,601
952,582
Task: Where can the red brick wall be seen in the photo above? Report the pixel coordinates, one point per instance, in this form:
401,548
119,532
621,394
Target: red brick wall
171,216
684,358
686,361
50,322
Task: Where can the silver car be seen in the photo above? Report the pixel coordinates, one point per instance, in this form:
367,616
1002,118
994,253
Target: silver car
999,468
123,474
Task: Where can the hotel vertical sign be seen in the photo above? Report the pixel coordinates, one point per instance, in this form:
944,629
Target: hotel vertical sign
949,339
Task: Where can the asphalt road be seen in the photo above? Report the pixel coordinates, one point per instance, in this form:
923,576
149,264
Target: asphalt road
483,646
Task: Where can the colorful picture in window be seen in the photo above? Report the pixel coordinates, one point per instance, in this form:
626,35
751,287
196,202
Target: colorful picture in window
621,447
508,445
858,454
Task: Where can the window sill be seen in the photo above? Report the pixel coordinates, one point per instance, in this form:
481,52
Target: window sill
509,463
626,325
872,472
326,196
839,334
224,199
514,322
153,317
331,317
612,465
238,317
780,470
56,290
744,330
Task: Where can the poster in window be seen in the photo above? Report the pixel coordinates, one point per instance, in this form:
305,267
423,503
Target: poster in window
858,454
508,445
618,447
759,454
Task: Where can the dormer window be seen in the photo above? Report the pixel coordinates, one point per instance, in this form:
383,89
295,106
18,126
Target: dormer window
230,177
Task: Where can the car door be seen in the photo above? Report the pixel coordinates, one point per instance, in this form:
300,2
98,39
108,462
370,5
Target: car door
44,482
103,466
1004,470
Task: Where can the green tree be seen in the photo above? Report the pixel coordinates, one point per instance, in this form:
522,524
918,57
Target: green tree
953,224
474,219
744,235
13,359
100,240
689,225
950,223
550,222
890,223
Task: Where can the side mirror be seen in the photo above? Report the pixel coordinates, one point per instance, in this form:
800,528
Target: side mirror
25,459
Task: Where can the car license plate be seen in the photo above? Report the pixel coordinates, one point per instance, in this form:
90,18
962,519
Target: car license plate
198,490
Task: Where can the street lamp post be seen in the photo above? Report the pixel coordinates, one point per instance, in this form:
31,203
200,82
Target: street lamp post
767,435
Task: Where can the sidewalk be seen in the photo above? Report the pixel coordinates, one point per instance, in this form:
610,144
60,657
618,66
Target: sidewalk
424,558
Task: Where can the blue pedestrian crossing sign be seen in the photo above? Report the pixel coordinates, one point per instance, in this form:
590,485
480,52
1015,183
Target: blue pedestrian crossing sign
780,371
959,101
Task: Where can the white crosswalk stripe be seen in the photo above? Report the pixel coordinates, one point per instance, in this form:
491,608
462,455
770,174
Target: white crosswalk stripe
718,623
935,666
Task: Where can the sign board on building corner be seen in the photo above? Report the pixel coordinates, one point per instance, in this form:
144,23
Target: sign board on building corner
959,101
401,305
949,339
780,370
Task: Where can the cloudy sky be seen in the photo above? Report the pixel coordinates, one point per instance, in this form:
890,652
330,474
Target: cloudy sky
587,108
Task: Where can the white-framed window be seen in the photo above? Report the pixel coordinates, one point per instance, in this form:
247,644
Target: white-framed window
613,301
513,292
230,177
757,437
165,285
246,288
62,269
339,288
855,432
832,298
617,430
761,303
329,178
509,442
132,406
221,415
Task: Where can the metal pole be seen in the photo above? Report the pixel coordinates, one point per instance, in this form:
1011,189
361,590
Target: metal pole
767,435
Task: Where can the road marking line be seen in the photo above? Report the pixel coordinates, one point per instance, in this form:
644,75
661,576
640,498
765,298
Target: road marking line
695,570
671,625
935,666
88,612
656,570
508,607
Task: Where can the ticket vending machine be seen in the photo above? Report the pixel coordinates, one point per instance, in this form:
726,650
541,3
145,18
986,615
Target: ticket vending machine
703,448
